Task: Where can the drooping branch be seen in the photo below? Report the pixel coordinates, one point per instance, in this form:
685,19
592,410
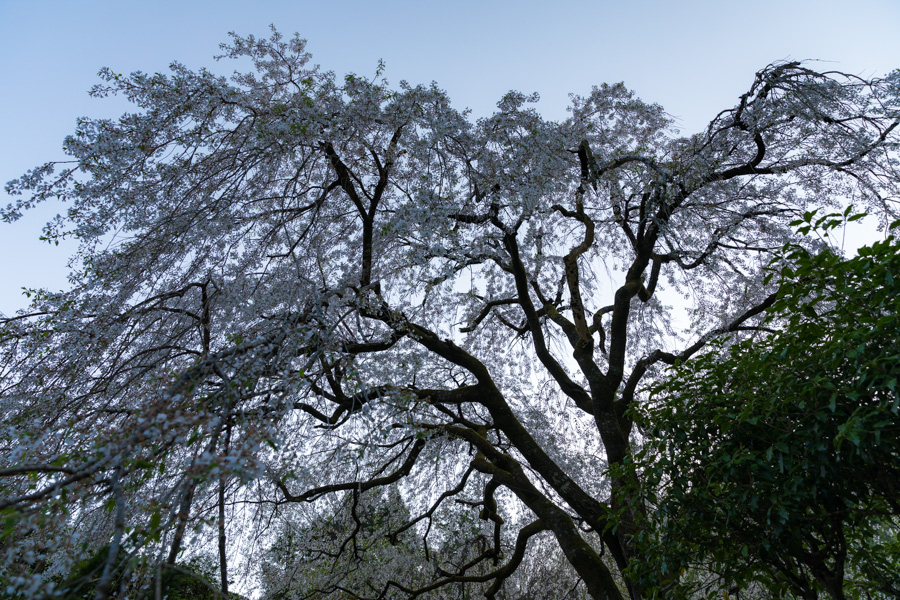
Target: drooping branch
485,311
640,369
358,486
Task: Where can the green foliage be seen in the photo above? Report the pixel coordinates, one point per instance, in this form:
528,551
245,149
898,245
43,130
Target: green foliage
193,580
775,460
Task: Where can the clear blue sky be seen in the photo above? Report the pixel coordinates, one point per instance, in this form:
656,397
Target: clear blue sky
692,56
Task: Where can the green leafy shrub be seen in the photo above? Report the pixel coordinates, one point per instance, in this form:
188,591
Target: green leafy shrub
774,461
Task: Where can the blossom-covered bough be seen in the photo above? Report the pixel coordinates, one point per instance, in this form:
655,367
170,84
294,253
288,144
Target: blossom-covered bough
297,298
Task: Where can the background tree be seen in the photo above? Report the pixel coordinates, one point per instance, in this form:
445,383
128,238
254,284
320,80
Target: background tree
776,459
294,289
309,557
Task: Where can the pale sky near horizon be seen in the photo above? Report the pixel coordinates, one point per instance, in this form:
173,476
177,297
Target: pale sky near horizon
694,57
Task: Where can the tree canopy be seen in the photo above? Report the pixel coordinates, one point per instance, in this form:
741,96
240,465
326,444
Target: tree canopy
775,459
298,296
